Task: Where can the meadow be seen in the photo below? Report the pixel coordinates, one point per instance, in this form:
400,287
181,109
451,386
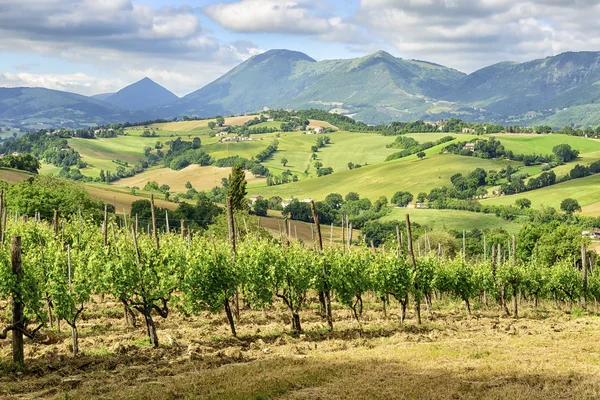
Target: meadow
444,220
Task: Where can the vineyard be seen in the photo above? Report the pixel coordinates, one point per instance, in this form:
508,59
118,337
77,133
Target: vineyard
65,271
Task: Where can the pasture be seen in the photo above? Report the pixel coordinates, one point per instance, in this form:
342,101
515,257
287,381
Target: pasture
384,179
444,220
585,190
201,178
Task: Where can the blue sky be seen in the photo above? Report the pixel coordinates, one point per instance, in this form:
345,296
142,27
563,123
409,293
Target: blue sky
95,46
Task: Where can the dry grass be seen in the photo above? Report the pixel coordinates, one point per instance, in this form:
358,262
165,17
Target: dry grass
184,126
548,354
313,123
121,199
201,178
13,176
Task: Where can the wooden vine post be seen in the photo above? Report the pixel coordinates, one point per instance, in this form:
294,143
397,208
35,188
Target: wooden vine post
105,226
584,274
17,304
514,293
326,291
182,229
154,230
411,253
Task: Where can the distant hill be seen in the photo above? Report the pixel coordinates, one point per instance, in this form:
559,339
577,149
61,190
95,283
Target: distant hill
141,95
373,88
534,90
378,88
102,96
38,107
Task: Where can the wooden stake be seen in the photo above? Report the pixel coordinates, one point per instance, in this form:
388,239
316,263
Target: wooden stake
231,237
326,291
411,253
167,220
154,230
105,226
55,223
18,317
584,274
182,229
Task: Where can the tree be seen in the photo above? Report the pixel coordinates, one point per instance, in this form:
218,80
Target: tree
284,161
318,165
260,207
352,196
523,203
188,185
421,197
237,188
402,199
212,125
564,152
313,156
350,165
334,200
421,155
569,206
220,121
165,188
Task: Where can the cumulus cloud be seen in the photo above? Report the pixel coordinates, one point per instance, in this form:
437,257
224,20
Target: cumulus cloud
121,37
468,34
303,17
76,83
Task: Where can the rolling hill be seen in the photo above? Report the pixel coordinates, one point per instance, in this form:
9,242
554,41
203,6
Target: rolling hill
373,88
35,108
378,88
141,95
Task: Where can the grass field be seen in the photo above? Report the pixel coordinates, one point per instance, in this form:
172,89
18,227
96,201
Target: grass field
384,179
444,220
585,190
201,178
543,144
12,175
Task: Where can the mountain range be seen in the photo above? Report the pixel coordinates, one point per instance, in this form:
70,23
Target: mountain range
379,88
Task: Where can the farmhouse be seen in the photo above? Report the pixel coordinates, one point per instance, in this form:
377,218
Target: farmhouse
319,130
470,147
254,199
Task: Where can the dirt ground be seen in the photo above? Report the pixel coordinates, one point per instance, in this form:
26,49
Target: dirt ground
546,354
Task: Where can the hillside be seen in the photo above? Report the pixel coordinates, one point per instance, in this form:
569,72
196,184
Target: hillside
287,79
141,95
35,108
535,89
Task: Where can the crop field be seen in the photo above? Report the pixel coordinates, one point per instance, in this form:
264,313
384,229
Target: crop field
548,354
13,175
585,190
201,178
122,198
384,179
444,220
543,144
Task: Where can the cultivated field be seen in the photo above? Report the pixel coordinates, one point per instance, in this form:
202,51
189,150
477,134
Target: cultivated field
548,353
201,178
585,190
384,179
444,220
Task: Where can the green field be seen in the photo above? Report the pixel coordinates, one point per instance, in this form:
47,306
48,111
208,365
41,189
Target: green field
444,220
543,144
384,179
585,190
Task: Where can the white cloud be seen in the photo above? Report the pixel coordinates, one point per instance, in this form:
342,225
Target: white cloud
120,37
76,83
469,34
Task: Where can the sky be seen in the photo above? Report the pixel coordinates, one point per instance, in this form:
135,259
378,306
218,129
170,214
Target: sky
99,46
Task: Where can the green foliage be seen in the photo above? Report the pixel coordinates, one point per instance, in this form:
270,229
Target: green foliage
401,199
570,206
236,188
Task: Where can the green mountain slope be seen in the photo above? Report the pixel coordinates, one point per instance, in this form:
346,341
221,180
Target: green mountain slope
141,95
375,88
38,107
534,90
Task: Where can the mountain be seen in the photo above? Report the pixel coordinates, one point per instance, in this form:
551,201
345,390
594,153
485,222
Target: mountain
38,107
535,90
141,95
378,88
101,96
373,88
